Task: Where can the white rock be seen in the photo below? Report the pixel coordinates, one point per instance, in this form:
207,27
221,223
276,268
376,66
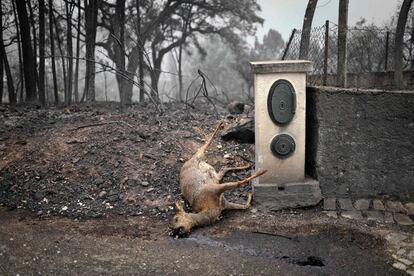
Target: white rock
411,255
410,208
64,208
399,266
401,252
410,272
395,238
405,261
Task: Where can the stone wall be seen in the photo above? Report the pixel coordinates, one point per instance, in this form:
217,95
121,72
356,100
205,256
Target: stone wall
360,143
378,80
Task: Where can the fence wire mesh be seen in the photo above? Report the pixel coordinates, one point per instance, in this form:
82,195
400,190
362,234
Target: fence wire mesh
369,49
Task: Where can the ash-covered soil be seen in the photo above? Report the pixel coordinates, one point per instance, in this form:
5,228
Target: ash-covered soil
94,160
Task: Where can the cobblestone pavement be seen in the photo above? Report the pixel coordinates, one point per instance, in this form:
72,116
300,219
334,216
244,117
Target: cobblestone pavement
383,212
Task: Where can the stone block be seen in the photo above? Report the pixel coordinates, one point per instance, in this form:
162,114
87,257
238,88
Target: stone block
405,261
357,215
395,238
362,204
290,195
375,216
388,218
331,214
378,205
399,266
411,255
395,207
410,208
329,204
402,219
345,204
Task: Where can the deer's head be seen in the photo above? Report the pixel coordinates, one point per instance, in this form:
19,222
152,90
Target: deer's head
181,223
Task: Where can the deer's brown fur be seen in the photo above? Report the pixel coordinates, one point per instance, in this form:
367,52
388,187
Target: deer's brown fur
201,187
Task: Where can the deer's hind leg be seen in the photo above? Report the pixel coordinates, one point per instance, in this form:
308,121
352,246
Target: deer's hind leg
221,188
202,150
234,206
223,171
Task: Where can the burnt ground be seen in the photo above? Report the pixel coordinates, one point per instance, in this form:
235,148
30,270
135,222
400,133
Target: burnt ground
82,197
61,161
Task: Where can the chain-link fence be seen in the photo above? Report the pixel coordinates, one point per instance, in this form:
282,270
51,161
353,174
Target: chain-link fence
369,50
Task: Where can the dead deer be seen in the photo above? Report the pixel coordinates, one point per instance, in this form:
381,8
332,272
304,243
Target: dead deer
201,187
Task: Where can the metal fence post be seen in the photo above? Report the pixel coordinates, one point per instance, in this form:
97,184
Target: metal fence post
326,56
288,44
387,47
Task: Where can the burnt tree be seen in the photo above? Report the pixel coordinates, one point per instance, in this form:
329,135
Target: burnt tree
52,52
1,55
78,32
42,97
28,56
91,20
306,29
69,10
399,44
19,49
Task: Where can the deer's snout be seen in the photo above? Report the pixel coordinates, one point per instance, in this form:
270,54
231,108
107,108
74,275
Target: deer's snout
179,233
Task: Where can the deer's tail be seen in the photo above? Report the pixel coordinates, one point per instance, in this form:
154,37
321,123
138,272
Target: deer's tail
203,149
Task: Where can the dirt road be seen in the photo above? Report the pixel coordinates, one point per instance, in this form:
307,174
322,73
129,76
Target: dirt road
140,246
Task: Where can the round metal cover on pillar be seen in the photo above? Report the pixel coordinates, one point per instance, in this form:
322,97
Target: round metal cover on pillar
281,102
283,145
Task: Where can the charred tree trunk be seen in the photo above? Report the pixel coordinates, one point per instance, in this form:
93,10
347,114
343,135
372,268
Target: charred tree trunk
119,46
180,73
342,43
399,44
42,97
70,51
62,58
52,52
91,17
33,25
28,57
4,61
1,56
132,67
155,78
307,28
19,49
156,72
141,43
77,54
9,77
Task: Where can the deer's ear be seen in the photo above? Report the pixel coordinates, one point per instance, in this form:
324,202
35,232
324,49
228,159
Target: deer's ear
179,207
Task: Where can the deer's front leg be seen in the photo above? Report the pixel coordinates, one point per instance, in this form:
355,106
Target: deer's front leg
223,171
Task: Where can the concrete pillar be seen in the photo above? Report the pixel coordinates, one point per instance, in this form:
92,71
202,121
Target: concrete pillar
280,116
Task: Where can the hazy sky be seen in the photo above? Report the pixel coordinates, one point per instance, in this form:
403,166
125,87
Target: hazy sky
284,15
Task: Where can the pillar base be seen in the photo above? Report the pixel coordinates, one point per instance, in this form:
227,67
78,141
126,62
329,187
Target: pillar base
290,195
